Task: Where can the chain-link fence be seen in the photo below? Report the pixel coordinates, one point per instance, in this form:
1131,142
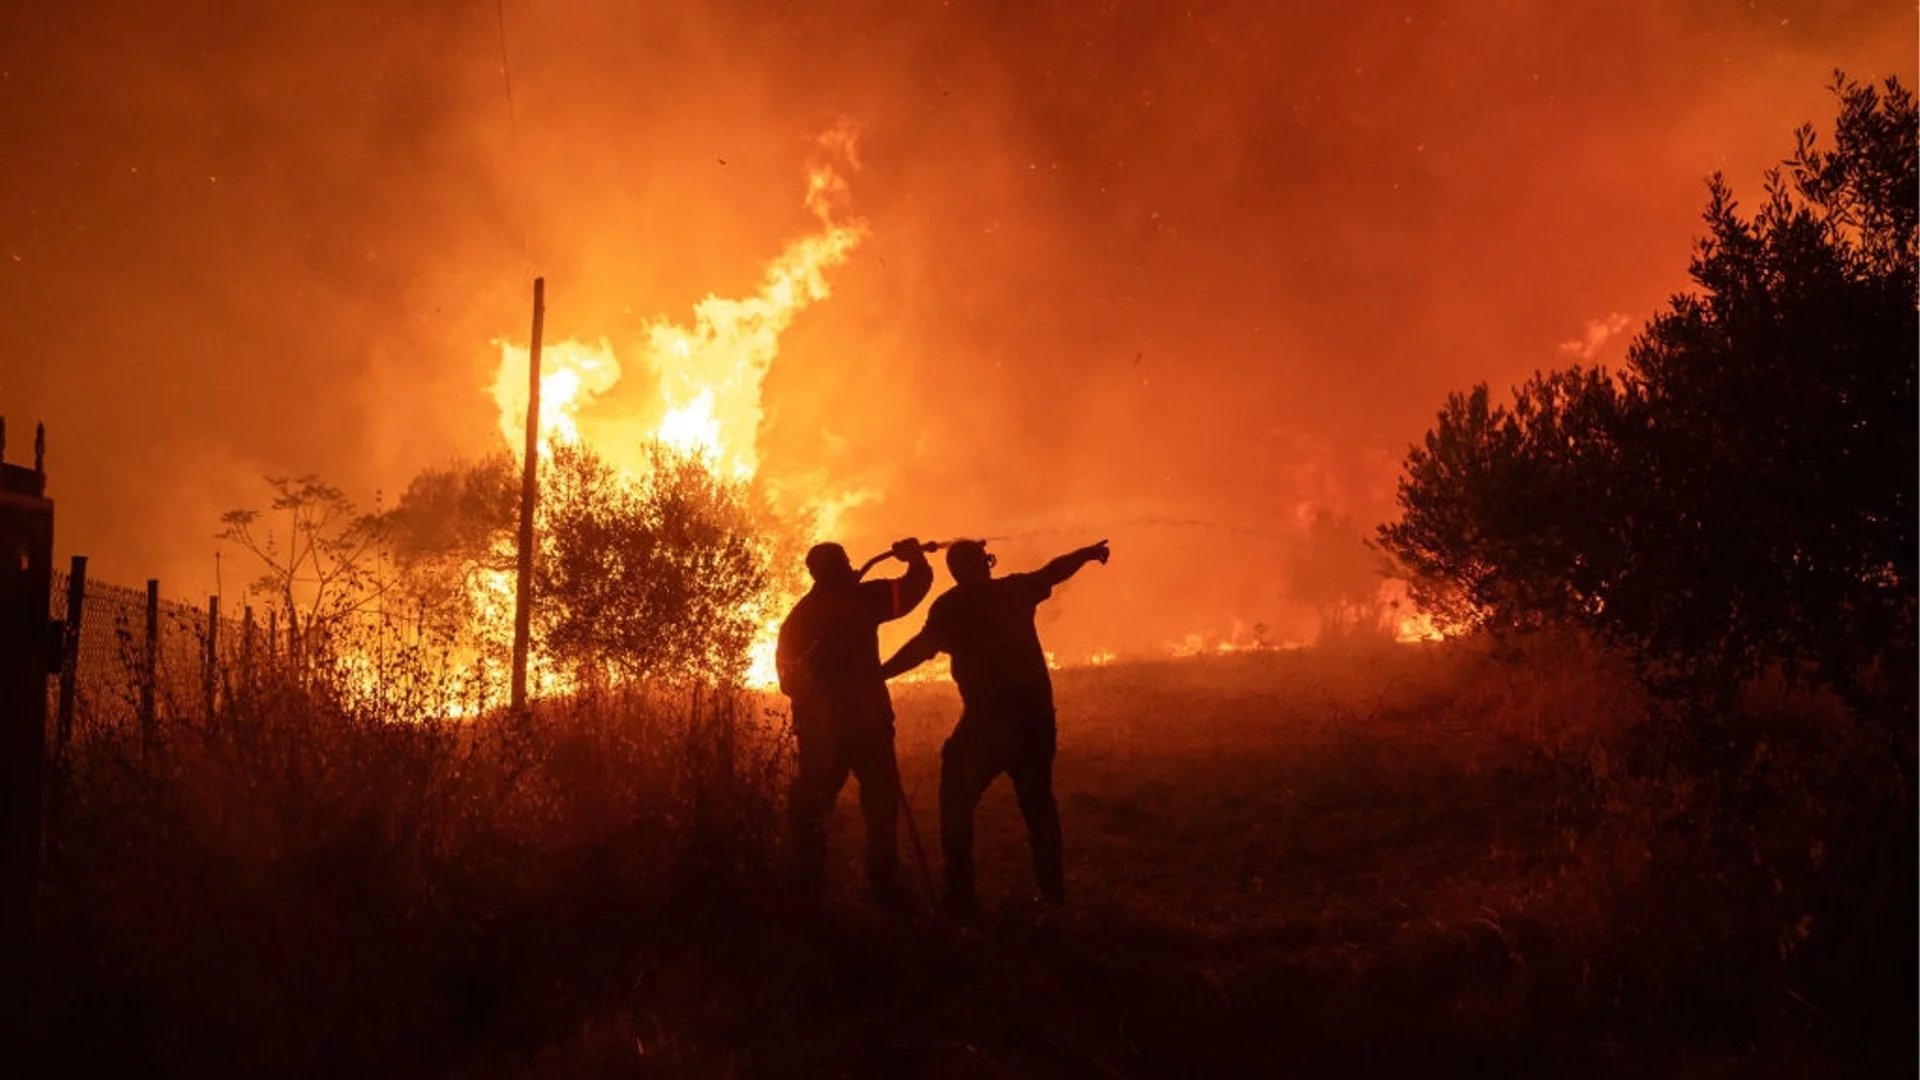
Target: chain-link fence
140,663
103,667
141,658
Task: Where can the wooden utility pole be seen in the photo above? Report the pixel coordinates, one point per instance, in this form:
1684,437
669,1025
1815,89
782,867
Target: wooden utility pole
529,474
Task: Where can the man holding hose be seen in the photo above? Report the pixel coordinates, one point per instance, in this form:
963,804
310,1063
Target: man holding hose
828,660
1006,717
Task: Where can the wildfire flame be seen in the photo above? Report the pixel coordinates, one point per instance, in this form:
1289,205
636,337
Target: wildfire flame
709,373
1409,624
571,374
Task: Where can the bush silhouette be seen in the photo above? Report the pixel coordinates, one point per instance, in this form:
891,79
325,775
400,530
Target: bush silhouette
1741,496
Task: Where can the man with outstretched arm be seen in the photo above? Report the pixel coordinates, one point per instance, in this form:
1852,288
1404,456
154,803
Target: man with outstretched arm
828,659
1006,717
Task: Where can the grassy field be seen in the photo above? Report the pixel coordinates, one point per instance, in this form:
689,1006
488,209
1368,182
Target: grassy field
1363,861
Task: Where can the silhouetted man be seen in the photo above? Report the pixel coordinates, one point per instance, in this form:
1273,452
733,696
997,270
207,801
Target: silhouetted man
829,663
1006,718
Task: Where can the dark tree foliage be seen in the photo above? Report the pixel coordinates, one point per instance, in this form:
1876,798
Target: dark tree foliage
1743,494
1499,522
450,524
454,511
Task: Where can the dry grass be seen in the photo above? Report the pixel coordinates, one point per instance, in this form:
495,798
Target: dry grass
1327,862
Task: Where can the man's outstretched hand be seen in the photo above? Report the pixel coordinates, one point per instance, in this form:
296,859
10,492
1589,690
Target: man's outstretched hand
1097,551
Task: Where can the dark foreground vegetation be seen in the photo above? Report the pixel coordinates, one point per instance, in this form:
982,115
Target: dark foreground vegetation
1434,860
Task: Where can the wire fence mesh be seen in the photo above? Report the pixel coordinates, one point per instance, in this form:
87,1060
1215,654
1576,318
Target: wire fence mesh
113,679
141,663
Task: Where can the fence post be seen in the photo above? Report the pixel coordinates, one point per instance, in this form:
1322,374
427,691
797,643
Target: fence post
212,661
149,664
246,647
70,653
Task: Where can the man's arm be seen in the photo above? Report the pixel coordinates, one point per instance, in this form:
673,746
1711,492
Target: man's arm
923,646
891,598
1069,564
919,649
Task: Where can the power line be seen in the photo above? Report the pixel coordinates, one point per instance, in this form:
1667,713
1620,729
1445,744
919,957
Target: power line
513,135
1148,521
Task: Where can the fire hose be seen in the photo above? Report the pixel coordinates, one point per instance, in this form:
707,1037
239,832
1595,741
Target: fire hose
928,546
900,788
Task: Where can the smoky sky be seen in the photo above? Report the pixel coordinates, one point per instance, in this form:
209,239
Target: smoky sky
1183,275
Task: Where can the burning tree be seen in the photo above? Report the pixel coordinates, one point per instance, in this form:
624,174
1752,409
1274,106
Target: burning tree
658,578
704,414
657,540
1742,495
